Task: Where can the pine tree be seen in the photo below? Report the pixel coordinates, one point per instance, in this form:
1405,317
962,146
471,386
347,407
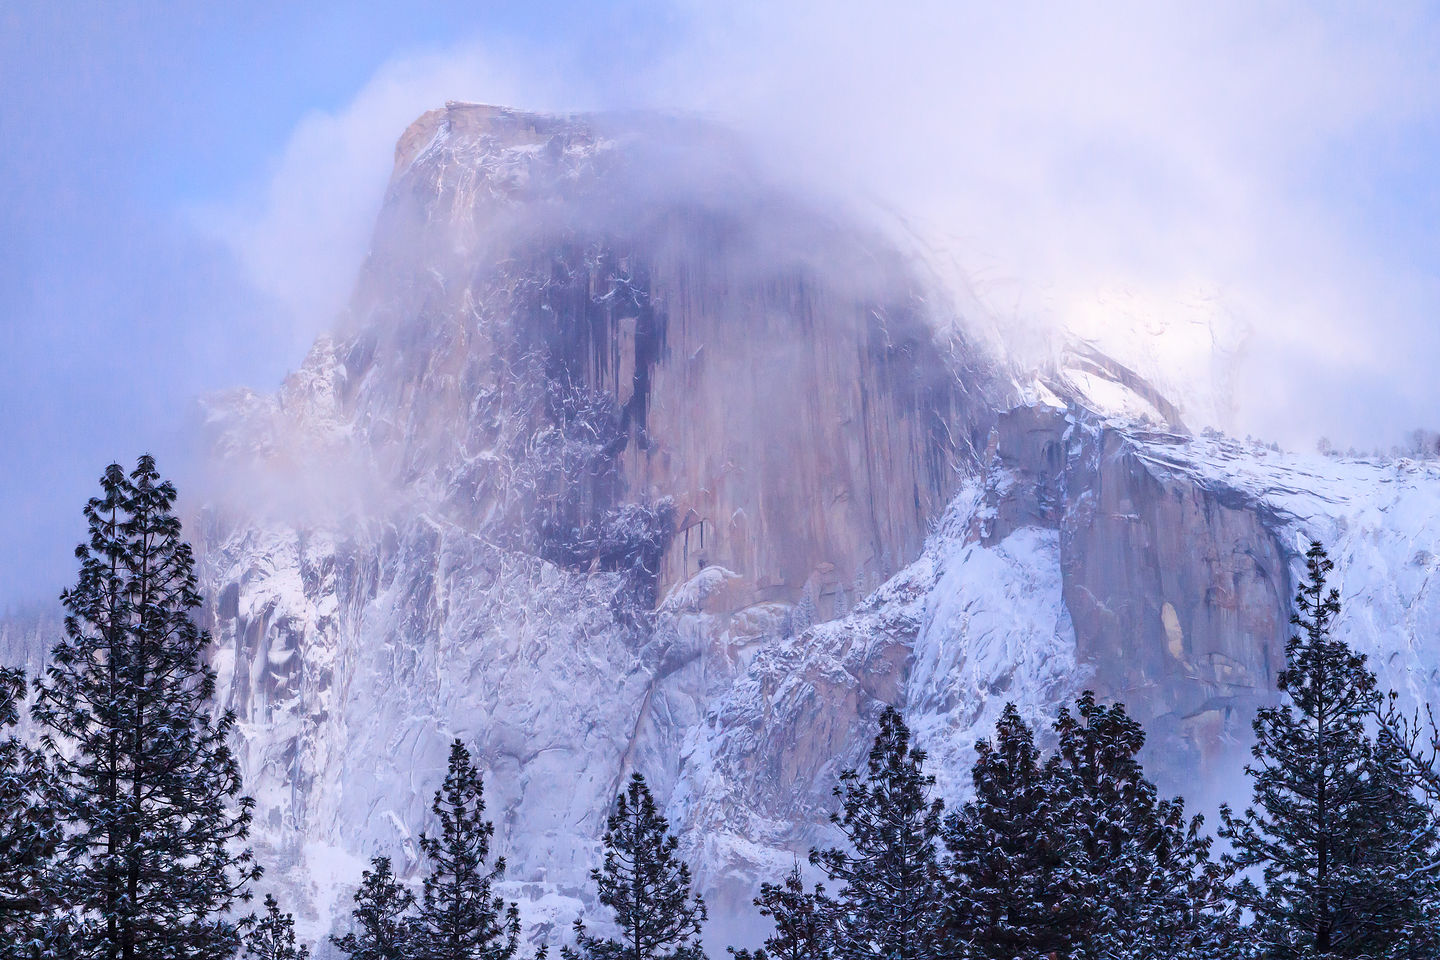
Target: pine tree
645,885
1396,895
382,927
1077,856
152,856
273,937
1137,876
888,902
29,833
460,917
802,921
1334,828
1006,850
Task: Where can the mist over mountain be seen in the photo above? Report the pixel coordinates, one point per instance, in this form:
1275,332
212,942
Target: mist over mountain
624,459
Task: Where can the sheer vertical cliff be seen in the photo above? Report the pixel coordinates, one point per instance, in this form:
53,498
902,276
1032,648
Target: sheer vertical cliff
588,323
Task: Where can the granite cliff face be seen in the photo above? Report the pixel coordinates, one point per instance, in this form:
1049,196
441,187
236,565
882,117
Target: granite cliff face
623,460
1177,589
583,345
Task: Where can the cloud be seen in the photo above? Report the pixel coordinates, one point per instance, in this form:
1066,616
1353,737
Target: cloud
1194,188
301,237
1173,153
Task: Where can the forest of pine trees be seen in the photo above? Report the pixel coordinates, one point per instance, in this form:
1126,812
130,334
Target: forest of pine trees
123,823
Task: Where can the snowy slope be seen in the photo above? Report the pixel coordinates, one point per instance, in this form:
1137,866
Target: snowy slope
741,715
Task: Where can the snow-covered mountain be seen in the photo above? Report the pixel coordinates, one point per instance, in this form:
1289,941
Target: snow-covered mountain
623,460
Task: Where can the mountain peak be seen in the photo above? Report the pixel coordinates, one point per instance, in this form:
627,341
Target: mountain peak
464,119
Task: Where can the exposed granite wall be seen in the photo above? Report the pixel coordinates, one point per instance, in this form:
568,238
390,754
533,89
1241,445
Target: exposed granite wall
545,331
1178,590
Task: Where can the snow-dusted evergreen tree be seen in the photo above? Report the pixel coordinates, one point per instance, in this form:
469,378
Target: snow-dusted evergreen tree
803,616
29,832
152,856
1004,893
1077,856
460,916
801,918
1334,829
1397,891
273,936
645,885
382,927
887,902
1137,876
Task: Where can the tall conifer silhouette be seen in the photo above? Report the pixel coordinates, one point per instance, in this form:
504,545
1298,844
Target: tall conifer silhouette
461,918
153,861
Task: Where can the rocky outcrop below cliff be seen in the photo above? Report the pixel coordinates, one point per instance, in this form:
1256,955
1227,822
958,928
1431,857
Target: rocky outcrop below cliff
1177,587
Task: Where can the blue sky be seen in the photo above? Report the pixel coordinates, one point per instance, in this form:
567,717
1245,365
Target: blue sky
185,189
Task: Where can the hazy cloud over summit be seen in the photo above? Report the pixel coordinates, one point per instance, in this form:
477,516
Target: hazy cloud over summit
1236,199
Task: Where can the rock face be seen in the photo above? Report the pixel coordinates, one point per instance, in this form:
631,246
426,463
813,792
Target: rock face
582,348
1177,590
622,460
1178,593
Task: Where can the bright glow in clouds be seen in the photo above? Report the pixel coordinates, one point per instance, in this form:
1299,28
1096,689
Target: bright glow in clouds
1166,156
1235,199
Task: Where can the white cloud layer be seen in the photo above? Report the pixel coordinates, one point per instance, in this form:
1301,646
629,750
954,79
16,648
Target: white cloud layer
1209,191
302,236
